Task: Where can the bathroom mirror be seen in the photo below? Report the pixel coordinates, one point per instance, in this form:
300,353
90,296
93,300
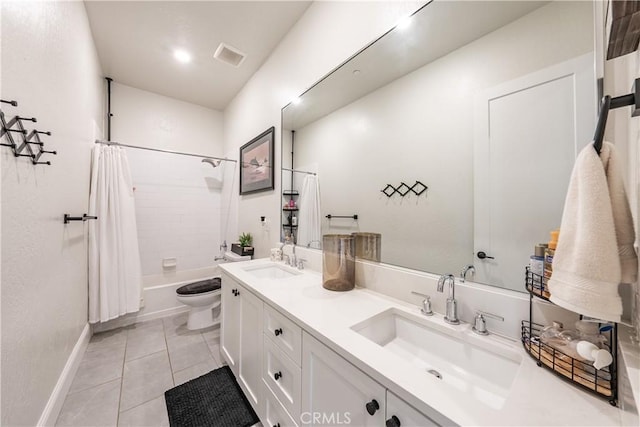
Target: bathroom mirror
488,115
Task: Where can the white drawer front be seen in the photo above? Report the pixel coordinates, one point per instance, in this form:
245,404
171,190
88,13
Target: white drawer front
286,334
283,377
274,413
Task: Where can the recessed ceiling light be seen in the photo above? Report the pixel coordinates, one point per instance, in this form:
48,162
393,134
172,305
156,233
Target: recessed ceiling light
182,56
404,23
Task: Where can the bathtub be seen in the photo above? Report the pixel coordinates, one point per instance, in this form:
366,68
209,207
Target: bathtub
159,297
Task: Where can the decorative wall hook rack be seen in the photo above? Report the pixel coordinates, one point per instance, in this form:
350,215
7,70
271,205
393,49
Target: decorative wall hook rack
20,140
68,218
342,216
403,189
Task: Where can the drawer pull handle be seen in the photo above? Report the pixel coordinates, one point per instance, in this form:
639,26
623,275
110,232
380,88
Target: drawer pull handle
278,331
276,425
393,422
277,375
372,407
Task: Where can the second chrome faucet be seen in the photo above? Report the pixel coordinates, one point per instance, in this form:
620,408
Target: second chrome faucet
451,314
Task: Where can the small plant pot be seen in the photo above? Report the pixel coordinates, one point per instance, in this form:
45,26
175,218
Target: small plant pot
241,250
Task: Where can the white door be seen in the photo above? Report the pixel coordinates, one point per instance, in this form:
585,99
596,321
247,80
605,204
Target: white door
401,414
527,134
334,392
230,333
250,372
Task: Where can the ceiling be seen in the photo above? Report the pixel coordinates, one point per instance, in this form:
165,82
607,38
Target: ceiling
135,41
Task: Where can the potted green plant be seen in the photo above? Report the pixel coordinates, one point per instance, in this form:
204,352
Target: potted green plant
244,245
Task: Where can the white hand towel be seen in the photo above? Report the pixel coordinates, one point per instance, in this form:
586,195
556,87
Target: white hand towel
622,219
596,239
310,220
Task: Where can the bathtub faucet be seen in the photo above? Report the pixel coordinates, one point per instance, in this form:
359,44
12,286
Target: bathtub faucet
223,249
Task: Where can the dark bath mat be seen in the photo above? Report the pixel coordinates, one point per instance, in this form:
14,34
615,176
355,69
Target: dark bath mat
214,399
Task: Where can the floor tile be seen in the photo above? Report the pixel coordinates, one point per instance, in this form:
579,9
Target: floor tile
212,334
97,406
177,341
187,355
101,340
145,328
214,349
194,371
145,379
177,325
98,367
152,413
145,342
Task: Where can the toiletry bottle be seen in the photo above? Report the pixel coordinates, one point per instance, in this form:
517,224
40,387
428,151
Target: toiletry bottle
548,257
292,203
294,220
551,333
536,263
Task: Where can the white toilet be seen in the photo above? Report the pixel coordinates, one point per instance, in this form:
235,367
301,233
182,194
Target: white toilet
203,297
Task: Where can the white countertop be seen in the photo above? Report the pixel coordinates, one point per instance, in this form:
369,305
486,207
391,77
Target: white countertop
537,396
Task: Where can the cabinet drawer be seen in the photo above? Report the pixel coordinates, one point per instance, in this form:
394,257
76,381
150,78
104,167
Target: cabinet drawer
286,334
274,413
283,377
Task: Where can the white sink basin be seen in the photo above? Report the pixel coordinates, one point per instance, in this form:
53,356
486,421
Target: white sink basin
484,374
272,271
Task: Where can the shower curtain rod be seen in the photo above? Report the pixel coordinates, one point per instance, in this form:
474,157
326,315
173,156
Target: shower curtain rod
163,151
297,171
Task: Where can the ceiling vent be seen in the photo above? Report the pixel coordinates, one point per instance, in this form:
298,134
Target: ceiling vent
229,55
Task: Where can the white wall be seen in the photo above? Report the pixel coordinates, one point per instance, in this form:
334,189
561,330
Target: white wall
624,131
151,120
50,66
399,134
326,35
178,198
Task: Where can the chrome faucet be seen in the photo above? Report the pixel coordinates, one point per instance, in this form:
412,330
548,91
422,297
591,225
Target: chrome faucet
480,325
223,249
451,315
426,303
465,270
293,262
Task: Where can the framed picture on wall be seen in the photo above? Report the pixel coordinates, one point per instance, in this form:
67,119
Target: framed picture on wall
256,163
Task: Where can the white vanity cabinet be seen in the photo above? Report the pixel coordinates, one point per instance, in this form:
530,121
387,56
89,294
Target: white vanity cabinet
281,370
241,338
335,392
292,379
230,323
401,414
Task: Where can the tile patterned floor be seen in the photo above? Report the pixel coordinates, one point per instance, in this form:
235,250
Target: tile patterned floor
125,372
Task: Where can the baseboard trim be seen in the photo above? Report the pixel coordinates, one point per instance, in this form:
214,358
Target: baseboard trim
134,318
56,400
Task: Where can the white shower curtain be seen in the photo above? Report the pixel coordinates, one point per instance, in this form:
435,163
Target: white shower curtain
114,259
309,220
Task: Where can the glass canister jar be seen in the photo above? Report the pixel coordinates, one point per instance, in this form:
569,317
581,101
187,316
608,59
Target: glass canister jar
338,262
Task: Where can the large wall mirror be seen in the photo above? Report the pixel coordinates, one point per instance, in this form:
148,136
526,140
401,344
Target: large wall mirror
485,103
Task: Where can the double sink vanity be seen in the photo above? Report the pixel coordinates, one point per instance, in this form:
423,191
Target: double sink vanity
304,355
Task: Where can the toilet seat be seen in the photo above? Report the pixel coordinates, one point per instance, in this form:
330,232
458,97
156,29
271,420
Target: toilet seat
200,288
